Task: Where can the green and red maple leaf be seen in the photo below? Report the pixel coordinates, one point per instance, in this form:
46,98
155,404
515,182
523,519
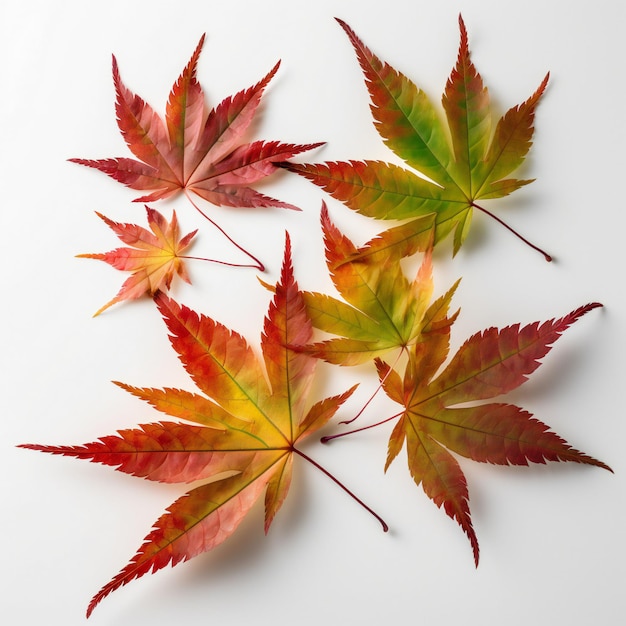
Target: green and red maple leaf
240,434
466,160
192,150
436,420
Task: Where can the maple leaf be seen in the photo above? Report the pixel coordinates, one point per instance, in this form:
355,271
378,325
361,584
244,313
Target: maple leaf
243,434
473,166
437,420
153,260
192,150
382,309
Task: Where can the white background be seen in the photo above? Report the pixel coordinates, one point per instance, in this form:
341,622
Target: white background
552,538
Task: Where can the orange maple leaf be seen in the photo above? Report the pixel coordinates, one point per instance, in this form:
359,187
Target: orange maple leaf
153,260
245,431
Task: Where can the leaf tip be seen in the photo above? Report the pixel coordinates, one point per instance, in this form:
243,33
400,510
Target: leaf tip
115,69
462,27
324,212
587,307
103,308
351,34
287,255
270,74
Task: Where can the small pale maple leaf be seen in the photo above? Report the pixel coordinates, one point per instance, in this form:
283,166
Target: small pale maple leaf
154,258
192,150
464,163
243,433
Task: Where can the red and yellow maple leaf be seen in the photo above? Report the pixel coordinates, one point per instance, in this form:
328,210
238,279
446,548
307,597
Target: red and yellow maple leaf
153,260
473,166
193,150
243,433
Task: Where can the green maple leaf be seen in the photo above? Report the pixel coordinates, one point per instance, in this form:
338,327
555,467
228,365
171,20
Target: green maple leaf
382,310
466,162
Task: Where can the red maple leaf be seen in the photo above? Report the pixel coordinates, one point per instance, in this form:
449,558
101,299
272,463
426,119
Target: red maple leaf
192,150
437,419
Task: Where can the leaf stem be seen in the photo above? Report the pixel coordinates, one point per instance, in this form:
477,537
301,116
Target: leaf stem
503,223
380,386
328,438
200,258
335,480
258,265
